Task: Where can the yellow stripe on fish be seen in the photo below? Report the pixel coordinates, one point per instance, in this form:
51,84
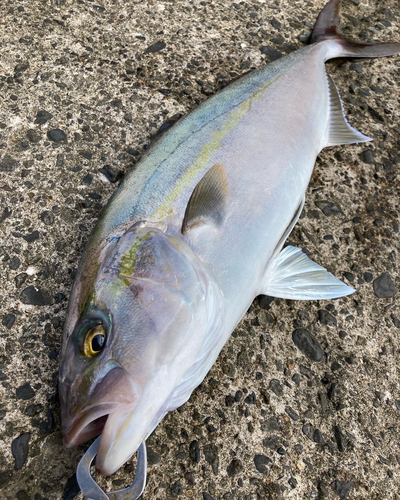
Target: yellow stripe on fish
191,174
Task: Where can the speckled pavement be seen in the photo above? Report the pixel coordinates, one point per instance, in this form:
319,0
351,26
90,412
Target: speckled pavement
84,85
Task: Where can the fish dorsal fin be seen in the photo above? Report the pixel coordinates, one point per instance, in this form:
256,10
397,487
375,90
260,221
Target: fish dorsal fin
339,129
292,275
209,199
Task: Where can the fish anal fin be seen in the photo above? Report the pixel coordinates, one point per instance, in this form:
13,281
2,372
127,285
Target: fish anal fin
209,199
339,129
292,275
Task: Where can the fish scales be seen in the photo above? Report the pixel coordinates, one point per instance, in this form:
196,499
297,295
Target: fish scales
161,184
182,156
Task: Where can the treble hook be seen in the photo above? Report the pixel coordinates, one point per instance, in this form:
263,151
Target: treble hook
92,491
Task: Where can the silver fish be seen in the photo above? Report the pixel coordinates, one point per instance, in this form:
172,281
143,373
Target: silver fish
191,237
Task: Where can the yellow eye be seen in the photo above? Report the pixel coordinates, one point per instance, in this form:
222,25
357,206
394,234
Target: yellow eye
95,341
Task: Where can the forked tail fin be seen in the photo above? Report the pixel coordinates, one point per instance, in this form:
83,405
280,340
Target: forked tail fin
327,27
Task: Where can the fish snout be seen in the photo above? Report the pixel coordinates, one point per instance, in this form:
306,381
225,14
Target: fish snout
114,392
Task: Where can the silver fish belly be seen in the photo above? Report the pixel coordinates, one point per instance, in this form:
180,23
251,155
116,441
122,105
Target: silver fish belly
191,237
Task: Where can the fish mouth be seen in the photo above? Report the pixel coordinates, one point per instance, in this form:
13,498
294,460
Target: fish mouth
90,424
115,394
105,421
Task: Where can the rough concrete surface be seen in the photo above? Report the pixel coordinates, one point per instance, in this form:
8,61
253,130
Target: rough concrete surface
84,84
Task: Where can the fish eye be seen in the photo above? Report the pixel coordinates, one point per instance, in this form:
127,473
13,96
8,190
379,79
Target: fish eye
95,340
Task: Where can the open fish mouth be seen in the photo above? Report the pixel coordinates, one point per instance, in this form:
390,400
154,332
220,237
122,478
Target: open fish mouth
115,394
90,424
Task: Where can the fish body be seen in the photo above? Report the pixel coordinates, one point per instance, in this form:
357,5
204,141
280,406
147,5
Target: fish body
191,237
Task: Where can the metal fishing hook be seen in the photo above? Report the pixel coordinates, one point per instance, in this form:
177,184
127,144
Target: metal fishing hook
92,491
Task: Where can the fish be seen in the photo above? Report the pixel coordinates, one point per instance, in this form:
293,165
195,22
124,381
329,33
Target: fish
192,235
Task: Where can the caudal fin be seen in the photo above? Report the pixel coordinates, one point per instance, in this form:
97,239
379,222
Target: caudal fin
327,27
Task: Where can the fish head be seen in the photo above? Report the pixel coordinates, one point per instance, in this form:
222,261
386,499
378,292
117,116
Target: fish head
140,330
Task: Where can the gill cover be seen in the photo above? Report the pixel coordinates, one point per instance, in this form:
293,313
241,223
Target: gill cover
151,300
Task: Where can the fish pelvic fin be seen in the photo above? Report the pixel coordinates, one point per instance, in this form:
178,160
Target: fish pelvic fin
327,27
339,129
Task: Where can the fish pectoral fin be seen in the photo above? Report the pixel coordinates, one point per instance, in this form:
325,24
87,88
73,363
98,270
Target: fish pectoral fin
209,199
292,275
339,129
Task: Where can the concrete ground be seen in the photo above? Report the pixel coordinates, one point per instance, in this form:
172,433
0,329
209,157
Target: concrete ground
84,84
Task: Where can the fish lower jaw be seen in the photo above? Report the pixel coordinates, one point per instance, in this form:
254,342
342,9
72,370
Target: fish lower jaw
115,446
100,469
121,437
